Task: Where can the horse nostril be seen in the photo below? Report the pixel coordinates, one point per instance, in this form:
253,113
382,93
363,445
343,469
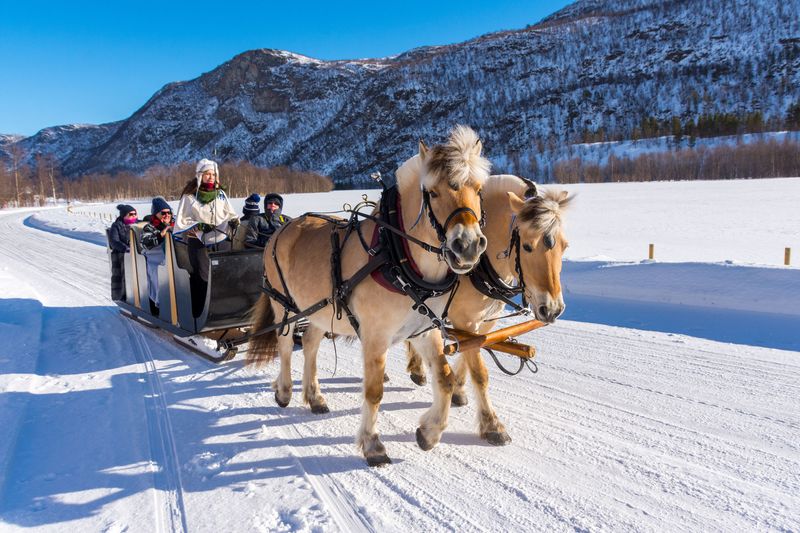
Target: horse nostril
543,312
482,244
458,246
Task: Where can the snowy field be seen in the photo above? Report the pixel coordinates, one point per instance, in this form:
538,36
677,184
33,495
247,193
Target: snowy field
667,398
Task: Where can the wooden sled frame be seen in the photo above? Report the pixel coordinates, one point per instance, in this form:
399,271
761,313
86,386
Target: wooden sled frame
175,316
496,340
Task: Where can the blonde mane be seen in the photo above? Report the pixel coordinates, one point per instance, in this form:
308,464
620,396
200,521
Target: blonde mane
459,161
544,211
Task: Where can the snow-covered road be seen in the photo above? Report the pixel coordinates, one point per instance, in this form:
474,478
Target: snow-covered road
113,428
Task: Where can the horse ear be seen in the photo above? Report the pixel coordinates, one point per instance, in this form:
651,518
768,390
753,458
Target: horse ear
531,191
563,198
423,150
476,150
515,202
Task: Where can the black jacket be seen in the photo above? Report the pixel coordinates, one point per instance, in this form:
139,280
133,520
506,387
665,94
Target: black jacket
261,227
120,236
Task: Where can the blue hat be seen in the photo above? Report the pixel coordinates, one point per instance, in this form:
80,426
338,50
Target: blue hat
159,204
251,204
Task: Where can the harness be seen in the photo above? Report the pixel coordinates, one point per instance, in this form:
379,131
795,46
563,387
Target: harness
488,282
390,260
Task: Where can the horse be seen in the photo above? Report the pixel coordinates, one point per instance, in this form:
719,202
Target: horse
511,205
445,181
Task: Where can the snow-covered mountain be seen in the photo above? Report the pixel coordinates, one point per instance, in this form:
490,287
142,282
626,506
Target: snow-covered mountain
595,64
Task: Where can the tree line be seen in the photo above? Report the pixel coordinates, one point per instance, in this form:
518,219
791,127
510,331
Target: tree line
762,159
703,126
32,185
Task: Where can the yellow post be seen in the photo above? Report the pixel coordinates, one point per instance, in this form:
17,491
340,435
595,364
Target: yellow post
651,252
787,256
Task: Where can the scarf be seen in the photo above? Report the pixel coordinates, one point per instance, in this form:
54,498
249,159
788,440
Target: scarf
207,196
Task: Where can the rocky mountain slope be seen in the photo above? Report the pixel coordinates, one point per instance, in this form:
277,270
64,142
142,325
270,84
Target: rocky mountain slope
529,93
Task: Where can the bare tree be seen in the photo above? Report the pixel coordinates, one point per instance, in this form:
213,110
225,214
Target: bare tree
17,154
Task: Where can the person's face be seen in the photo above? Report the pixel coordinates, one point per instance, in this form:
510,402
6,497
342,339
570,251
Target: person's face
271,206
165,215
208,176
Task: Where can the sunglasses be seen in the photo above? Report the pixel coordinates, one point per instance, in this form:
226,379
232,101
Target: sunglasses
165,213
271,203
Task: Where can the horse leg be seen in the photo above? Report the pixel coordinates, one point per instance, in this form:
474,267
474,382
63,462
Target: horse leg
283,383
434,421
414,367
489,426
311,393
367,438
459,393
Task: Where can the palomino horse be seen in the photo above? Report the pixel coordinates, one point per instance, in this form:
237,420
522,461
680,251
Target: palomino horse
297,261
538,220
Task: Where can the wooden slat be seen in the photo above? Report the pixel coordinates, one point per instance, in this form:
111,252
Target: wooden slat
471,341
135,266
173,301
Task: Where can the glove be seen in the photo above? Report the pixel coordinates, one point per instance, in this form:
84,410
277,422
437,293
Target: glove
202,226
234,223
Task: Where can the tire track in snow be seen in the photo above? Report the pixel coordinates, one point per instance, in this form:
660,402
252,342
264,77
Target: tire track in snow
347,516
162,441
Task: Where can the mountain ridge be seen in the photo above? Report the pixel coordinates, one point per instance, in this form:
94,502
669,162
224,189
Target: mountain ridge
595,65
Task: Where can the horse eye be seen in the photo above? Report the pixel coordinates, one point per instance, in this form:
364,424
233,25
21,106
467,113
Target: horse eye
549,242
527,247
433,194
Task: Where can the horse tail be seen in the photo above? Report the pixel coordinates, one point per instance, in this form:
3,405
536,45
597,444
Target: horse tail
262,347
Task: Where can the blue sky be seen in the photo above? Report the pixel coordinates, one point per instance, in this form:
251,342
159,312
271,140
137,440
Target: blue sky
93,62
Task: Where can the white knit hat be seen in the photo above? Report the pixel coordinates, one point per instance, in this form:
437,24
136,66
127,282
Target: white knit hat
206,164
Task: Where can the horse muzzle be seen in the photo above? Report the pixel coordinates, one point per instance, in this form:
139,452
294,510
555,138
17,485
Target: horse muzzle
465,244
547,309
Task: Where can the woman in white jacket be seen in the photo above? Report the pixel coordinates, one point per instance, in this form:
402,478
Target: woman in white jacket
204,219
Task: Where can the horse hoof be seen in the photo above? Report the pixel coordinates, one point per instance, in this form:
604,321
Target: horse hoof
279,402
419,379
498,438
422,442
459,399
320,409
378,460
385,377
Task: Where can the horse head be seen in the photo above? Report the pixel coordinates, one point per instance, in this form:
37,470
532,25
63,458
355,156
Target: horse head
540,247
452,175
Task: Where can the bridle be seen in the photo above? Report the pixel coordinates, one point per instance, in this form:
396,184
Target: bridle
441,229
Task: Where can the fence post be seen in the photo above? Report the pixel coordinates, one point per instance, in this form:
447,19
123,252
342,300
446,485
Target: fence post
787,256
651,252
